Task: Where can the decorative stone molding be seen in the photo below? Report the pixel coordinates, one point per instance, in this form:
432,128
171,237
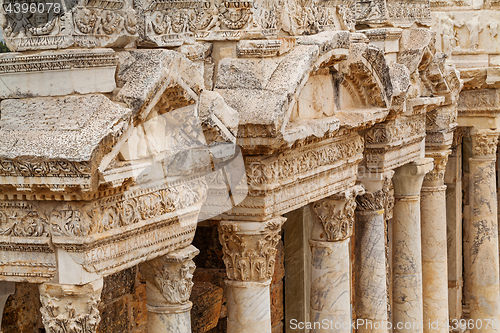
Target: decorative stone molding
484,143
440,161
459,134
336,213
172,276
250,248
378,200
69,308
264,171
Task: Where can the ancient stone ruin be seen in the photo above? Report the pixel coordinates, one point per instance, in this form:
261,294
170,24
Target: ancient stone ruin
259,166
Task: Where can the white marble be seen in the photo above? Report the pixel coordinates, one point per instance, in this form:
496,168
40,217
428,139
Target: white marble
249,307
407,252
330,286
371,284
434,258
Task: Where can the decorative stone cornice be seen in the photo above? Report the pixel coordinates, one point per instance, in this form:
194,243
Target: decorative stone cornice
172,275
336,213
69,308
484,143
250,248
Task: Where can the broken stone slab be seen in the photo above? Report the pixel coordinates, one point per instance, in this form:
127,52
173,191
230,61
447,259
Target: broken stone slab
146,77
40,145
264,48
57,73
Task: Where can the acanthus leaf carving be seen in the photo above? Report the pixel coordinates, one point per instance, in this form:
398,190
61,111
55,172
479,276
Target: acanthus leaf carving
336,213
70,309
484,143
22,221
250,256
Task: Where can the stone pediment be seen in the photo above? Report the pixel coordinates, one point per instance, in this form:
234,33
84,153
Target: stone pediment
274,96
58,142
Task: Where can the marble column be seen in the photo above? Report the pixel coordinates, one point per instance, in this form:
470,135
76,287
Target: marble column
168,288
330,262
407,251
371,264
249,255
71,308
434,246
6,289
483,269
453,181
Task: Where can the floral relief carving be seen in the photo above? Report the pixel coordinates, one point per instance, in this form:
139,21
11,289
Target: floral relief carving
336,214
437,173
259,172
70,311
392,132
22,221
119,211
176,281
250,256
484,143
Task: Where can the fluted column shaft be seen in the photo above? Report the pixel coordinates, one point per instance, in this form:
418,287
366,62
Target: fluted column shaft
407,259
483,268
371,264
249,254
330,264
168,288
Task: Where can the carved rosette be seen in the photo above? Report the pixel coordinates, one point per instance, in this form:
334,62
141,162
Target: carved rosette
484,143
250,248
70,308
336,213
172,275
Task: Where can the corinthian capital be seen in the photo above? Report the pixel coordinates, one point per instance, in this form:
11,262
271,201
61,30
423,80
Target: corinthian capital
250,248
70,308
170,276
439,169
336,213
484,143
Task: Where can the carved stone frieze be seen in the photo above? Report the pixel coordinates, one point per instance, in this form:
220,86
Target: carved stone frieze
484,143
269,171
70,308
404,13
62,25
22,220
171,275
478,102
336,213
122,210
250,248
394,132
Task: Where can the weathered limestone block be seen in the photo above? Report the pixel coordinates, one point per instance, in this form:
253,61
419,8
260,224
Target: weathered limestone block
168,287
207,304
69,24
67,308
61,151
249,254
56,73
